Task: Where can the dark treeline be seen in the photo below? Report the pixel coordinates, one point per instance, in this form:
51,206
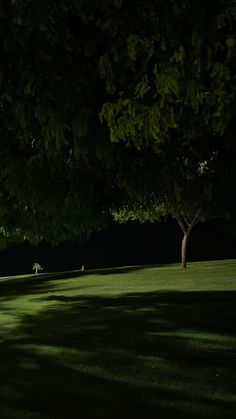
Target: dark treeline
120,245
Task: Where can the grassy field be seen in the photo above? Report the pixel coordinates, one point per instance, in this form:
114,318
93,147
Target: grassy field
157,342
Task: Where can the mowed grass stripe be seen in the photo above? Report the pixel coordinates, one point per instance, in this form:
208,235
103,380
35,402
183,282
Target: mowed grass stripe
148,342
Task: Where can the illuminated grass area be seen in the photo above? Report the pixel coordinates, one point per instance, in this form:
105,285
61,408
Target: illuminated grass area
157,342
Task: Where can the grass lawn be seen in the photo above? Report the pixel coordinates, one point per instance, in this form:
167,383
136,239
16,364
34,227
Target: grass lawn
145,342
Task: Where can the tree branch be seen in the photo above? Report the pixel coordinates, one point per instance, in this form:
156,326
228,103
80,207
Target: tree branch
195,220
181,223
186,221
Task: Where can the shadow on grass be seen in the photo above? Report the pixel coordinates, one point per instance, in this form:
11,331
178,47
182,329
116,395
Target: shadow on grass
151,355
10,288
33,284
97,271
124,269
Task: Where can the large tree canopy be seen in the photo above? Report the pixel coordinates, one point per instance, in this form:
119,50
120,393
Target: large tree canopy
175,95
108,104
55,160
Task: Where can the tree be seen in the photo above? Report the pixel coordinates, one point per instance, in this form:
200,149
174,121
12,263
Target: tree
88,87
175,96
56,165
187,192
37,267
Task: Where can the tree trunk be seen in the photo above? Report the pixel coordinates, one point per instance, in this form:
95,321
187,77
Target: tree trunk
186,226
184,250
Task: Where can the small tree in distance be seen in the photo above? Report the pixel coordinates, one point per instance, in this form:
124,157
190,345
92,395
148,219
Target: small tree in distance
186,191
37,267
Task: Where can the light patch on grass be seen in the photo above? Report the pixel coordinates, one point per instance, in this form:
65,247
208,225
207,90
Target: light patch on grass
149,342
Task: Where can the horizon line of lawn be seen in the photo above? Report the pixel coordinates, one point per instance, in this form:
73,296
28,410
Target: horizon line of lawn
201,276
117,269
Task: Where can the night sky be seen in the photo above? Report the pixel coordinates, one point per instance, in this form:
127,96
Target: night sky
119,245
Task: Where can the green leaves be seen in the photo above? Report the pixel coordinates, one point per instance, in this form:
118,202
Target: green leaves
104,103
118,4
142,88
80,125
132,44
231,45
166,80
139,212
106,73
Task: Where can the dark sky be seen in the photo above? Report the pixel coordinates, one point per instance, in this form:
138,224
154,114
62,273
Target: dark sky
120,245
